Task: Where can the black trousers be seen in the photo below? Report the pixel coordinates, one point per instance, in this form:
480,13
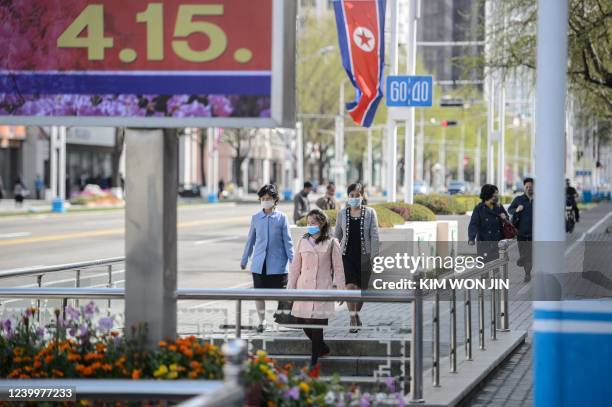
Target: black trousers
525,246
316,337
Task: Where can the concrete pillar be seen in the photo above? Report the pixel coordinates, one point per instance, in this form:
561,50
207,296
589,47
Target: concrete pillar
62,163
151,233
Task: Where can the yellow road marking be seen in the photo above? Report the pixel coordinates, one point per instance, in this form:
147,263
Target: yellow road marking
115,231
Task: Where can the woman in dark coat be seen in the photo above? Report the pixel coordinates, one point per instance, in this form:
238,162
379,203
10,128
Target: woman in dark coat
486,225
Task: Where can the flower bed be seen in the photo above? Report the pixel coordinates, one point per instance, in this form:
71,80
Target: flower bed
84,345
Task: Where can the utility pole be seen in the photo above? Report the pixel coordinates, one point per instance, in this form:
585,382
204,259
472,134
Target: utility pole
420,147
549,225
478,158
461,155
299,182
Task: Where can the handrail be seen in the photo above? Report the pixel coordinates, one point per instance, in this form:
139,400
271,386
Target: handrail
232,294
19,272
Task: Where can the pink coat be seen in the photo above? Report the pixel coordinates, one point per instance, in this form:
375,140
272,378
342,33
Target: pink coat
316,267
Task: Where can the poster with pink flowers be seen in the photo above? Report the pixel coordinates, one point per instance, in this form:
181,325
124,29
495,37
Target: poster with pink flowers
138,63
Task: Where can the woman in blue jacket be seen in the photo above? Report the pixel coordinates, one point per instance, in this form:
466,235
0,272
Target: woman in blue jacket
486,223
270,244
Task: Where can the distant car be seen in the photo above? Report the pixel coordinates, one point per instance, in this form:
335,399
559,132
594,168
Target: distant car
420,188
458,187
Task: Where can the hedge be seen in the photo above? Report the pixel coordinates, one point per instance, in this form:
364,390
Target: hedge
386,217
439,204
411,213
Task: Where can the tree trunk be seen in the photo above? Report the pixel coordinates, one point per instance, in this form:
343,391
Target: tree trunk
203,156
117,151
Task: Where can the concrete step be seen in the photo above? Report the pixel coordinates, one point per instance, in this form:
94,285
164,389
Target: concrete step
351,367
350,346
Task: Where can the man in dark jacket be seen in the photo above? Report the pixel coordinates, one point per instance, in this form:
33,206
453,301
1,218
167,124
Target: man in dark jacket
521,210
301,204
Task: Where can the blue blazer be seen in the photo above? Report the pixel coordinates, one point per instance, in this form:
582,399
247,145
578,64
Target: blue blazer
269,240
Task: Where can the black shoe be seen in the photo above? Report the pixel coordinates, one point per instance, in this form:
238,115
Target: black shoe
260,328
325,351
527,277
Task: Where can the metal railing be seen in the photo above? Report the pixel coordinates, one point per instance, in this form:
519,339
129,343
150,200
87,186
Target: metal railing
196,393
499,316
40,272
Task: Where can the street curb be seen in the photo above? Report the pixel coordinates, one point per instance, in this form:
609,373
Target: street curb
455,387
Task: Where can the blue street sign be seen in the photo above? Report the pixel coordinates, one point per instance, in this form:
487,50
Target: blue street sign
409,91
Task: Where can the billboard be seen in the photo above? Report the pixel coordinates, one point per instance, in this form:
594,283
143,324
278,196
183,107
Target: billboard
148,63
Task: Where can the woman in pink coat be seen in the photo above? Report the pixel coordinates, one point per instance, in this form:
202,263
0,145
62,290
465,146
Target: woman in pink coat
317,265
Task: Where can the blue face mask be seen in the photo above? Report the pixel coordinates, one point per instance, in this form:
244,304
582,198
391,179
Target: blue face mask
354,202
313,230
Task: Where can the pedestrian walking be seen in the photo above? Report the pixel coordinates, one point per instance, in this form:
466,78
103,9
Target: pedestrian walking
301,204
521,210
328,201
39,185
221,186
1,188
486,223
571,196
269,242
357,231
19,192
317,266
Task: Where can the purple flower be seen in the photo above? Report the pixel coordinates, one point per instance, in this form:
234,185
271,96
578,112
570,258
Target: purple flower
105,324
6,325
194,109
390,382
89,310
73,313
283,378
72,331
175,102
293,394
40,332
83,331
29,312
401,402
365,400
116,340
221,106
265,113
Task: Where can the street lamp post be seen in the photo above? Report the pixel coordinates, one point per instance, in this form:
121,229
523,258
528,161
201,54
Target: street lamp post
391,128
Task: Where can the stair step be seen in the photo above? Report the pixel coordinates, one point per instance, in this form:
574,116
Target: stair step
361,366
351,347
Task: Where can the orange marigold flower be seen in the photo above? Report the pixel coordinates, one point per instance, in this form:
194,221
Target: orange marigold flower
107,367
100,347
136,374
24,376
74,357
172,348
48,359
193,375
58,373
79,367
162,344
17,359
114,334
88,371
188,353
18,351
37,364
96,365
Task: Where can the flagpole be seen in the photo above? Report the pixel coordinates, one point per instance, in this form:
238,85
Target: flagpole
391,128
411,53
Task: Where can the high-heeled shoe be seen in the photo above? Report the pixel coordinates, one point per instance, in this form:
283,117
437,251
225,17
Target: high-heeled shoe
353,323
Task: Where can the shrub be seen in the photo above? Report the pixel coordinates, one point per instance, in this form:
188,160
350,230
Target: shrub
332,214
438,204
386,218
465,203
411,213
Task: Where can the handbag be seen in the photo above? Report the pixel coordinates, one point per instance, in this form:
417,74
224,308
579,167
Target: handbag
508,230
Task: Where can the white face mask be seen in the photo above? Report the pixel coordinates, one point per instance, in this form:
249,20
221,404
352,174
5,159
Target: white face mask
267,204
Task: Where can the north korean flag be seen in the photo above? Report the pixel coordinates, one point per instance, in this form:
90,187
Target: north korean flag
361,27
